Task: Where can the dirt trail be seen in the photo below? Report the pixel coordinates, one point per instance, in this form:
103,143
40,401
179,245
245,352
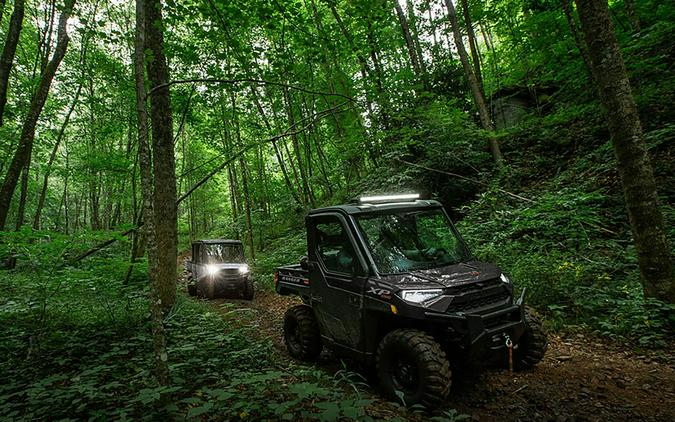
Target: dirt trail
580,379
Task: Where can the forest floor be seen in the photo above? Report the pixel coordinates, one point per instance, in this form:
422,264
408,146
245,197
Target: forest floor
580,379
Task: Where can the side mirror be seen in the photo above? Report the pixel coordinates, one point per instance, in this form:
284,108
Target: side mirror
304,263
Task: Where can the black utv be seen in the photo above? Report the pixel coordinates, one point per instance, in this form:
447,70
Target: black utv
218,269
389,281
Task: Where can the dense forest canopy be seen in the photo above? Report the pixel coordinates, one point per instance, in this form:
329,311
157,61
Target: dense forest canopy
129,129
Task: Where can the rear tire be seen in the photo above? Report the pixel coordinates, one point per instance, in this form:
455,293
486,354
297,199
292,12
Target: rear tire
412,368
533,344
301,333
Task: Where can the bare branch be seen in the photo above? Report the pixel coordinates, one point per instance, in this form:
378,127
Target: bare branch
246,80
468,179
289,132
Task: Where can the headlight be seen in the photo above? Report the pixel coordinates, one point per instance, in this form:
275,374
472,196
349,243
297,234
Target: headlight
505,279
419,296
243,269
212,269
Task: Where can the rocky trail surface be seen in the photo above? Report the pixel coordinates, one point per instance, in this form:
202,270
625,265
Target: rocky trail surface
580,379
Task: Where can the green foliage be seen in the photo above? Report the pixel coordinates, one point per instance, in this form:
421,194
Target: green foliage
84,351
561,250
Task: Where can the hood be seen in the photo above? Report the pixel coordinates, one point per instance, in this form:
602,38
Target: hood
449,276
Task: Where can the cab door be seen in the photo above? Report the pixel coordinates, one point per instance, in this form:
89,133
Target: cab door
338,279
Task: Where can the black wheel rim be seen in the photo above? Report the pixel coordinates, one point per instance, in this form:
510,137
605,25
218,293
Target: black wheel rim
405,375
293,336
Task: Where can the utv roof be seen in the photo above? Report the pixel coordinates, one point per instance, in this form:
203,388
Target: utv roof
364,208
217,241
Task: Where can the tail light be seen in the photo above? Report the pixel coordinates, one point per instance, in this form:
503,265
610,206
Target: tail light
276,280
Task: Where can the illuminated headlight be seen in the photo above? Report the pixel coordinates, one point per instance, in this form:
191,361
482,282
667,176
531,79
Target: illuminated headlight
243,269
419,296
212,269
505,279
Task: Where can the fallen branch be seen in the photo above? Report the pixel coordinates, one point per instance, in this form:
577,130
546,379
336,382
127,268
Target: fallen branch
101,245
468,179
519,389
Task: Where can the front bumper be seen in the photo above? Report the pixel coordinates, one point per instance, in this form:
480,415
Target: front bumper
225,287
485,332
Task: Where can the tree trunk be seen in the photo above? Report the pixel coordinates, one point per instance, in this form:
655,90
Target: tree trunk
574,29
634,165
7,59
145,164
476,92
52,157
25,147
163,155
244,183
21,211
296,148
472,43
412,20
66,216
633,14
284,172
410,45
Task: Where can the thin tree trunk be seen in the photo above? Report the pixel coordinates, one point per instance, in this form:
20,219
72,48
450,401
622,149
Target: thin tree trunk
382,98
574,29
477,93
65,191
52,157
472,43
296,148
412,20
634,165
21,211
410,45
282,165
8,52
165,209
25,147
244,178
633,14
145,164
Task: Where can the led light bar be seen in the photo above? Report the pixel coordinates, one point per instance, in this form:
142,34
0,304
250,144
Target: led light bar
389,198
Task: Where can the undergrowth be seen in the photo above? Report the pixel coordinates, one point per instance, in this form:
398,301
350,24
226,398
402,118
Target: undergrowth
76,344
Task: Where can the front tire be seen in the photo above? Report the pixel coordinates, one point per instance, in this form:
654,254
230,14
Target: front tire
413,368
206,289
249,290
533,344
301,333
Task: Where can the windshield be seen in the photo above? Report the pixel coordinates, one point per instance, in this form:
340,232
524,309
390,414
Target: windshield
222,253
410,241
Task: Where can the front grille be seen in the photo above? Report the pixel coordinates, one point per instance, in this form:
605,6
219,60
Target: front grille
472,287
228,274
479,302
